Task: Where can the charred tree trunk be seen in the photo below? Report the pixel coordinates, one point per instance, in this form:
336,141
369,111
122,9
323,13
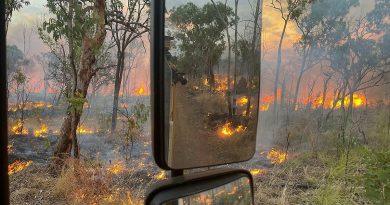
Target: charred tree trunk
235,56
252,61
278,65
117,87
301,72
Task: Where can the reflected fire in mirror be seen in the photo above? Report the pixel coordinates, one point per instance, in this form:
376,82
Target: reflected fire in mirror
236,192
213,80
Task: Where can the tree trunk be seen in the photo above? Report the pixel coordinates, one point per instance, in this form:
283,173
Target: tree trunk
229,58
90,45
302,71
278,65
252,61
235,56
117,87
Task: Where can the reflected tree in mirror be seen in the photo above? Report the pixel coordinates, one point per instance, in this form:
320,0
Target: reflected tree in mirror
215,46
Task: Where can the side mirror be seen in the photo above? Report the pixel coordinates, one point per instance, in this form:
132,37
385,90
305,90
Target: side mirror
223,186
205,59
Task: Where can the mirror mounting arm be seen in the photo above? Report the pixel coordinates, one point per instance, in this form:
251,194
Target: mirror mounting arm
177,172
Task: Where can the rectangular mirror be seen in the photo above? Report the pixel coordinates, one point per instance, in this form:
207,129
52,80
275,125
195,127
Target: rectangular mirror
211,67
212,187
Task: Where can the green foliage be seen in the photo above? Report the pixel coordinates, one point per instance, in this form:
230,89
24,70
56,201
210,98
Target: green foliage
141,113
377,177
77,103
15,58
77,12
200,32
19,77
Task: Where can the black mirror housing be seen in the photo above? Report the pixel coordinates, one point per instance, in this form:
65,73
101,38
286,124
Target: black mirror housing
174,189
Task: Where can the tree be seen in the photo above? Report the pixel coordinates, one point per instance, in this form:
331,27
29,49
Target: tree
19,82
288,9
15,59
127,24
200,33
10,7
81,24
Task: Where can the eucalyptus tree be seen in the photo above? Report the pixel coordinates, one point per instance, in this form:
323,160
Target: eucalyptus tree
288,10
201,34
10,7
80,25
127,24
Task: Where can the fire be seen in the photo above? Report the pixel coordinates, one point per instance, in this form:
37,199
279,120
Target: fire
233,191
18,166
264,107
221,83
206,82
243,101
276,156
358,101
39,104
256,172
141,91
160,176
41,131
10,148
84,130
18,129
117,167
227,130
265,102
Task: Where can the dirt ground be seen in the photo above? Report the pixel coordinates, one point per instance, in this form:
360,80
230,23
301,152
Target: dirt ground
197,144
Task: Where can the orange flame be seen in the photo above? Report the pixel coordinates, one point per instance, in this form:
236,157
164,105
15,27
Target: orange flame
10,148
276,156
358,101
18,166
116,168
18,130
256,172
41,131
84,130
160,176
243,101
206,82
226,130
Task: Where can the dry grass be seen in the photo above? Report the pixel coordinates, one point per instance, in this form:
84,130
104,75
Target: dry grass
79,183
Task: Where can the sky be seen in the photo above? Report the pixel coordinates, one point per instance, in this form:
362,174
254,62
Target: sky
26,21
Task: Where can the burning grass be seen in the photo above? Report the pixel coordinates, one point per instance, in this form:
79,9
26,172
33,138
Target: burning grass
228,130
42,131
277,156
18,166
258,172
19,129
84,130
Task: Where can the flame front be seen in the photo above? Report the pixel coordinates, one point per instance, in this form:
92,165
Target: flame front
276,156
84,130
18,166
41,131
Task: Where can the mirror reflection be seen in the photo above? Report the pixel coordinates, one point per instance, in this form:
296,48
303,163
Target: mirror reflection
238,192
212,56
